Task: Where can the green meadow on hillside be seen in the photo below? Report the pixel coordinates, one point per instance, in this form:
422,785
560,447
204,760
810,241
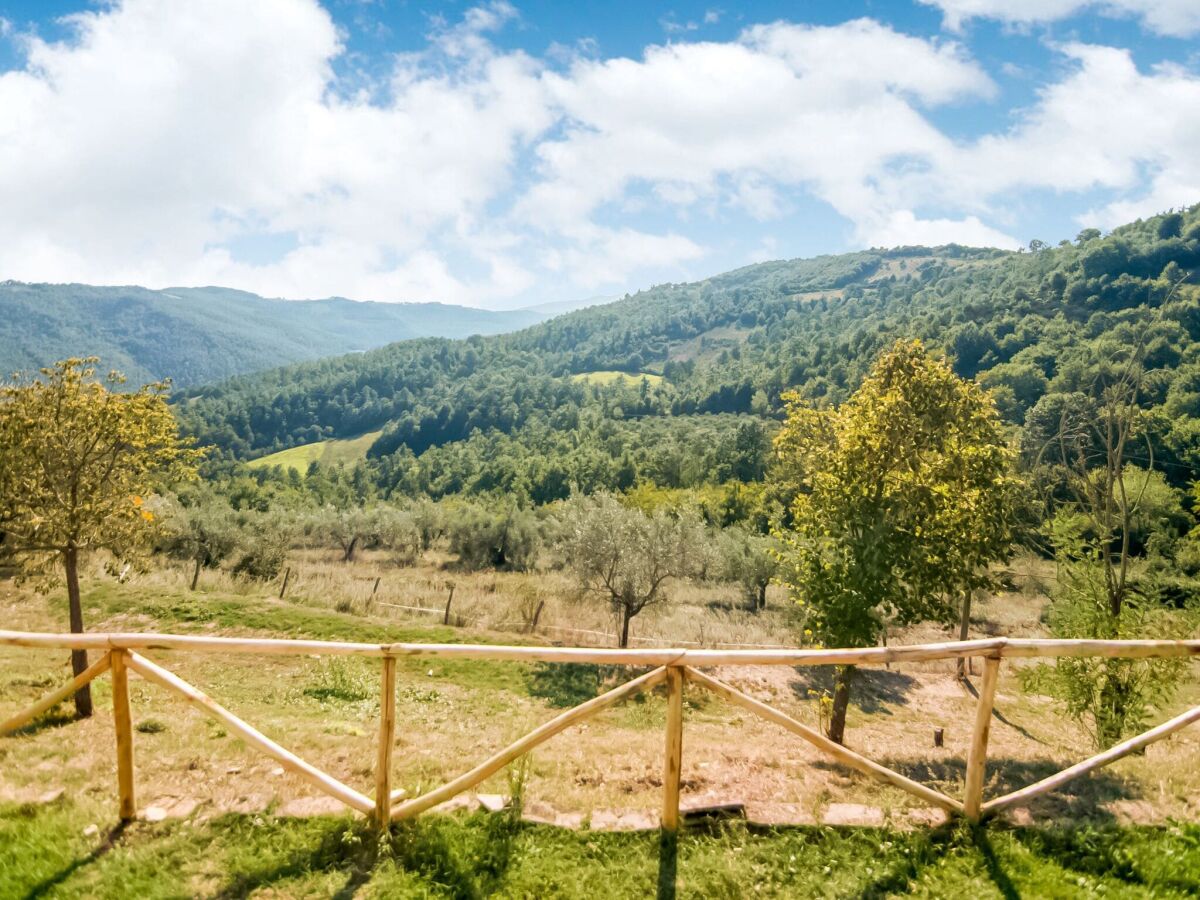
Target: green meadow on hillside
341,451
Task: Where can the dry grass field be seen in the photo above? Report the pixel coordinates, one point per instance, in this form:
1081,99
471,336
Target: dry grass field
604,773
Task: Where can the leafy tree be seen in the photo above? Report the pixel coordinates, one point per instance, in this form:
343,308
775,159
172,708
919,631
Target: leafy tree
903,502
626,556
504,538
354,527
751,560
204,531
266,537
78,458
1095,537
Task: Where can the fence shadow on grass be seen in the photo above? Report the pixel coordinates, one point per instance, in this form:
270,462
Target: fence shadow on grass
109,842
1081,798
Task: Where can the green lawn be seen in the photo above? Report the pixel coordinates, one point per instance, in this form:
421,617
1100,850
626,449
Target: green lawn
327,453
45,853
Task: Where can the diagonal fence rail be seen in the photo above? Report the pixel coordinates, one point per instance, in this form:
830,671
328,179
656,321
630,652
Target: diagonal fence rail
123,653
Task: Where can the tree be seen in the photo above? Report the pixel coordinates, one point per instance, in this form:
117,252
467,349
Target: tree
204,531
750,560
506,538
1095,536
903,501
352,528
626,556
78,458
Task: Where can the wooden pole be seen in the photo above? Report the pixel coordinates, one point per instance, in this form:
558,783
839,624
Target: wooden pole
977,755
387,731
837,751
1100,759
494,764
673,761
124,727
251,735
287,573
869,656
449,600
99,667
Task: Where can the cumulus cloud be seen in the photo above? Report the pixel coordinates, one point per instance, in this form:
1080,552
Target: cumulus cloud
1177,18
161,140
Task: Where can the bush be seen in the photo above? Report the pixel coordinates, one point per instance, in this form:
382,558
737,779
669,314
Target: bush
501,539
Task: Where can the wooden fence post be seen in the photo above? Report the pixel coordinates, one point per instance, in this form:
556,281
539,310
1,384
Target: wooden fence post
287,573
977,756
124,728
674,749
387,732
449,600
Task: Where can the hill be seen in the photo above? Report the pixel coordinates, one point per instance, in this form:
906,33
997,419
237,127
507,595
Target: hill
509,413
199,335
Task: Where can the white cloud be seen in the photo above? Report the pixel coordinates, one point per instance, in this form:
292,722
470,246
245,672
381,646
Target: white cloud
1105,125
162,137
785,106
134,151
1177,18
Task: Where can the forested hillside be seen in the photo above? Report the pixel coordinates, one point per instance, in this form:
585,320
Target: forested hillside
199,335
502,412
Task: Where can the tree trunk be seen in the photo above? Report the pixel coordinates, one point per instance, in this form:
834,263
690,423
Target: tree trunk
350,548
196,573
841,702
79,660
626,615
964,624
762,596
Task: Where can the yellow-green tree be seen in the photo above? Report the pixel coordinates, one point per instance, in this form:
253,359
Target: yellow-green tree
902,500
78,457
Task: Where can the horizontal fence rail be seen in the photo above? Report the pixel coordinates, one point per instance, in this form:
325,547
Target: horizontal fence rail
675,667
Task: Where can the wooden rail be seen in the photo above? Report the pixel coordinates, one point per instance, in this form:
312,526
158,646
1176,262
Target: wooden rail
675,667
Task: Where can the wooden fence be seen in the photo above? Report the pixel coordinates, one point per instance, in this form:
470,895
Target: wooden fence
122,653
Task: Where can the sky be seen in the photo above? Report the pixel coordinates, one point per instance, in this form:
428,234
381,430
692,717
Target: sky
509,154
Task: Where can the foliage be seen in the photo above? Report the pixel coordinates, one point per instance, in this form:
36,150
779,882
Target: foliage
626,556
504,414
751,560
204,531
78,459
501,538
265,543
903,499
355,527
1113,698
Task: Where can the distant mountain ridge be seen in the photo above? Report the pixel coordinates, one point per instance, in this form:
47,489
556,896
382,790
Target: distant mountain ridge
200,335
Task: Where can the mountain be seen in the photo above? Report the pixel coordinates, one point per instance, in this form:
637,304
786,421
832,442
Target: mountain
199,335
535,412
558,307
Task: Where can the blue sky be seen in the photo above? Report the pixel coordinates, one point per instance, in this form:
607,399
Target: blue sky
503,154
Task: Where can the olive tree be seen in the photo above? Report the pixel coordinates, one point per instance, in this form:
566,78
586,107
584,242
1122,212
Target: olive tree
903,499
78,458
204,531
750,560
626,556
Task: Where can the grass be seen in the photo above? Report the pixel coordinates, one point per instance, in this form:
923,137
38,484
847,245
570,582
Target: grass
44,853
327,453
453,713
243,614
610,377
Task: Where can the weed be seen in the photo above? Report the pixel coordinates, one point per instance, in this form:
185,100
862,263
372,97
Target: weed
340,680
